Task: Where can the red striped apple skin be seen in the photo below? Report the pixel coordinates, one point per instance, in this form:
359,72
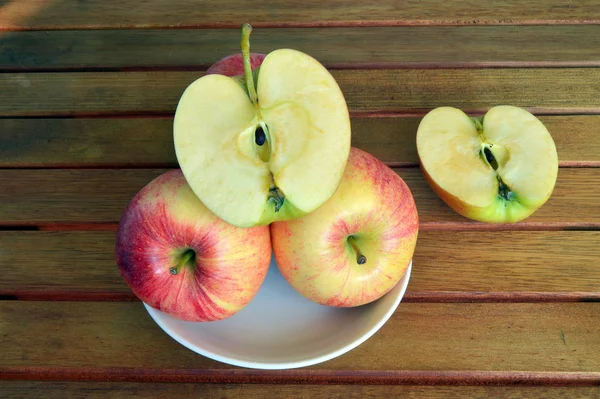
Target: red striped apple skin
163,221
375,207
233,65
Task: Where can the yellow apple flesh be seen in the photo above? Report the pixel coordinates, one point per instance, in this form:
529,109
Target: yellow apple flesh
358,245
500,170
274,153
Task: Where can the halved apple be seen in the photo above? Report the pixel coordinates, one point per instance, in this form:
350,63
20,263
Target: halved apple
500,169
264,153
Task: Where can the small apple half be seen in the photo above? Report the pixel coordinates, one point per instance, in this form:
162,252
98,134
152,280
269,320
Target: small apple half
500,169
276,150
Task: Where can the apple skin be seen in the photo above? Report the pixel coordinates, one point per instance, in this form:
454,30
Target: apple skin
372,204
494,213
233,65
163,221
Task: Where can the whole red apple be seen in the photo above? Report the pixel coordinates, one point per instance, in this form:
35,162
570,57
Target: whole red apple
179,258
357,246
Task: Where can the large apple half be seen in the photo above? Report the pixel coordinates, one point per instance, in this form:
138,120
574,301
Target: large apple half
501,169
274,150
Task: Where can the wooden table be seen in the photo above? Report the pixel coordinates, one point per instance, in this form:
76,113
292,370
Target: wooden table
87,94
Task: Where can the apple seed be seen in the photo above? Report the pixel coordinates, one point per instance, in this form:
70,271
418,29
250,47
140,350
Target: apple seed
259,136
489,157
504,191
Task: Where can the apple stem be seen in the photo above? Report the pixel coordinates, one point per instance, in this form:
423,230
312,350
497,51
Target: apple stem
187,256
264,137
246,30
478,122
360,258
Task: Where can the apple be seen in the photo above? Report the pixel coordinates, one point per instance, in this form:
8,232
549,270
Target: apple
357,246
498,169
271,145
233,65
179,258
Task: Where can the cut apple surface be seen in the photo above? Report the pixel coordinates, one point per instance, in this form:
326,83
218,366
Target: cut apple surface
276,150
499,169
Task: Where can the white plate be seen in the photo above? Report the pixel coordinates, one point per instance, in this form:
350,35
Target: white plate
281,329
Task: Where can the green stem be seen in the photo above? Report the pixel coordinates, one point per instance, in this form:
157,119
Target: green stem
246,30
478,122
264,150
187,256
360,258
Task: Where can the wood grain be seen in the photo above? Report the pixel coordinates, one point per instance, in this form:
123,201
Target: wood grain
553,90
490,310
50,196
121,336
123,390
387,47
461,266
148,142
63,14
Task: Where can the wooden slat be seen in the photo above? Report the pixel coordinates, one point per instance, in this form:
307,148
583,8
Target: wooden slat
64,14
147,142
553,90
119,338
50,196
124,390
567,45
457,266
111,142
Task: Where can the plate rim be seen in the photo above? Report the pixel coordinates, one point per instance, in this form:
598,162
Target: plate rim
155,314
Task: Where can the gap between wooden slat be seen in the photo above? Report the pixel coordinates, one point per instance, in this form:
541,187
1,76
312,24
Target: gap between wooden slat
409,297
363,377
408,113
562,164
168,165
149,390
416,112
330,66
397,113
423,226
313,24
